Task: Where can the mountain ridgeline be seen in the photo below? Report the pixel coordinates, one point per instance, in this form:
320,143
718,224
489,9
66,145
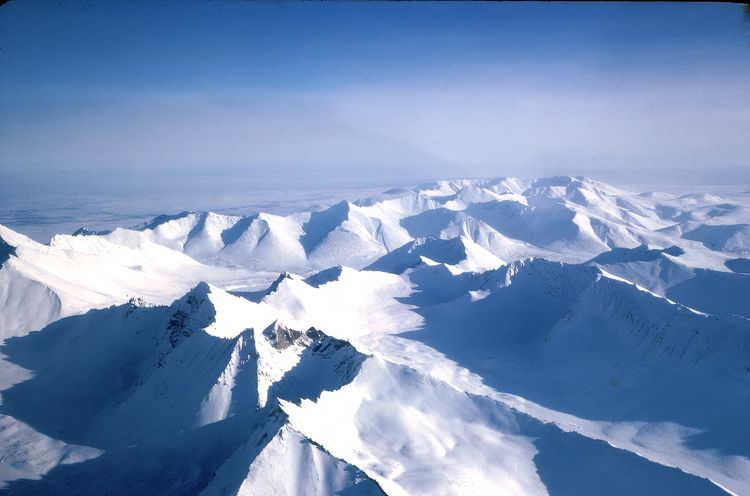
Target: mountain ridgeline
556,336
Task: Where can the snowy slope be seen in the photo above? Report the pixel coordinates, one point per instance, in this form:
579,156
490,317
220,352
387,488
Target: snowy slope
293,464
663,271
142,375
41,283
501,336
564,218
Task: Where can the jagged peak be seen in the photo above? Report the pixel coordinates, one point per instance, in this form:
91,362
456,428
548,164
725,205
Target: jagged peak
200,290
163,219
450,186
138,302
559,181
6,250
282,277
571,185
236,230
569,280
193,312
319,224
195,299
342,207
549,270
246,336
281,336
16,239
437,250
85,231
325,276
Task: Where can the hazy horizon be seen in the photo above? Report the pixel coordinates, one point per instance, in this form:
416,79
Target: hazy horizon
349,93
125,110
62,202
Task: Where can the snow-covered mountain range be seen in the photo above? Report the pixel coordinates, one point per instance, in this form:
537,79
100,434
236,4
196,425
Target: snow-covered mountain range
557,336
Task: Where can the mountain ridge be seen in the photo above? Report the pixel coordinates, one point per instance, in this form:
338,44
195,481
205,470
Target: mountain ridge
552,336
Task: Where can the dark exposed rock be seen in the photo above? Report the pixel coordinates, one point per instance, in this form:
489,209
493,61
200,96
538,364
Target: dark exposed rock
6,251
280,336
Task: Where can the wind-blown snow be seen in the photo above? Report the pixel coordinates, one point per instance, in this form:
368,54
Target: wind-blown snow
555,336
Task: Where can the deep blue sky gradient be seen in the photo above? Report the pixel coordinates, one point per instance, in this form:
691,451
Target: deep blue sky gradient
377,91
208,45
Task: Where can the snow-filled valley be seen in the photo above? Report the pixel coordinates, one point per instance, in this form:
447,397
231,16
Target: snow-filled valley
472,337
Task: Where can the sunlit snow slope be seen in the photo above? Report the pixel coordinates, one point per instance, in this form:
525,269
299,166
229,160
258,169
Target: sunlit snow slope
557,336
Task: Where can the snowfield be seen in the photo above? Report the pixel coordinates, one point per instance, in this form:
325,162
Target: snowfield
557,336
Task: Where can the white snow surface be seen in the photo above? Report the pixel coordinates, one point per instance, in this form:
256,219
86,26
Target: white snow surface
556,336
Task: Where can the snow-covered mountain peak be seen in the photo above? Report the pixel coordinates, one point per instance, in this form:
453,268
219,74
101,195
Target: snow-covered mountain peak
192,312
15,239
568,218
197,295
325,276
466,336
282,337
284,276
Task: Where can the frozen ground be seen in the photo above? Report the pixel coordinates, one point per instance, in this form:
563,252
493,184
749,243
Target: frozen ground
558,336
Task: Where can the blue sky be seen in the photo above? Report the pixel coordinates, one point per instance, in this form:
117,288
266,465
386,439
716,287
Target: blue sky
376,92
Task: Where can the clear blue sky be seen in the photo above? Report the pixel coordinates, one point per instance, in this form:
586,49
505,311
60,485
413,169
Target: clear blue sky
377,91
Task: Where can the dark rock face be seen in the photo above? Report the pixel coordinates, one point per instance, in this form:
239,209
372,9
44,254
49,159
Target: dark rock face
280,336
186,319
6,251
85,231
275,285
